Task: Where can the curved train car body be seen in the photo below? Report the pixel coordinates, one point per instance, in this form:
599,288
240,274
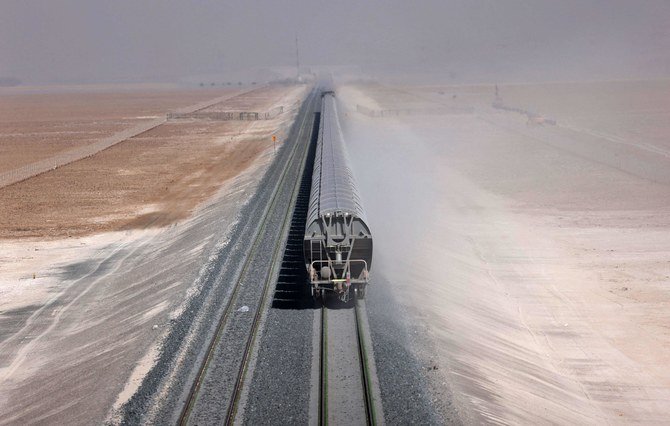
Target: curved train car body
338,242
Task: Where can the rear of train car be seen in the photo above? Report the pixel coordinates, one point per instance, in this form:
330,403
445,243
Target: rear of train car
338,242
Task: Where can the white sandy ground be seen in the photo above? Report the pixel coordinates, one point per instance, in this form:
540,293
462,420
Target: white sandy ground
541,277
90,337
20,261
56,346
29,270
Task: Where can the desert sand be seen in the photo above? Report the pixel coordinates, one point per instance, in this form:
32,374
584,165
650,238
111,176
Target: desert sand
152,179
39,123
109,249
535,258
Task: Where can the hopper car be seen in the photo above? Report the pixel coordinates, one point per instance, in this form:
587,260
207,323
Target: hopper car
338,243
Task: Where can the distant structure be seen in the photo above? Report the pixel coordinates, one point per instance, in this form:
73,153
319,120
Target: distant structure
497,100
297,59
534,119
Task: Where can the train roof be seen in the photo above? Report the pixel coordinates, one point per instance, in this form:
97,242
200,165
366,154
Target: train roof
333,184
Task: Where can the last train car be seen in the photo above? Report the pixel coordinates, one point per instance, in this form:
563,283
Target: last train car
338,242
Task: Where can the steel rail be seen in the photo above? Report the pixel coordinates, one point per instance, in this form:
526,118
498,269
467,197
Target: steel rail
365,371
366,380
202,370
239,382
323,370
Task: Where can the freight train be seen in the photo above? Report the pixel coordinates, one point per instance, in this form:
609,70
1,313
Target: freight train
338,243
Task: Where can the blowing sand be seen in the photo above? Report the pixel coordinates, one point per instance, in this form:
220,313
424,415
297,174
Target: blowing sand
539,271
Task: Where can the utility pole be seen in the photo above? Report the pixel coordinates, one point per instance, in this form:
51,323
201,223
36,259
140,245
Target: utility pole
297,59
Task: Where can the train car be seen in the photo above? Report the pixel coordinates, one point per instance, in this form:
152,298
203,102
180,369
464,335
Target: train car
338,242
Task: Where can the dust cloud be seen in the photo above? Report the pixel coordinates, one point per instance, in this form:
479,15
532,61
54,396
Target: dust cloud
532,257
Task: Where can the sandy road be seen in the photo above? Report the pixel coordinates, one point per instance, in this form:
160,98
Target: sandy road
538,274
39,123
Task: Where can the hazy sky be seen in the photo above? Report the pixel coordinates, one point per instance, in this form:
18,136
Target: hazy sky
98,40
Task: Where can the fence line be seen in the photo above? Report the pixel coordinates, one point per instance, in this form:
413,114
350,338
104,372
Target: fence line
79,153
533,118
227,115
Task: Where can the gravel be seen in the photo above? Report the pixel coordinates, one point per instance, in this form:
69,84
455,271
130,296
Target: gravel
409,395
279,388
280,385
163,390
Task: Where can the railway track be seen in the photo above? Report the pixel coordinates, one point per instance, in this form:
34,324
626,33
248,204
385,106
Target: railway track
347,392
290,290
213,397
216,389
340,362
